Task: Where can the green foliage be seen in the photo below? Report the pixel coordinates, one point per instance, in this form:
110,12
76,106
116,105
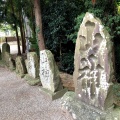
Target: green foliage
58,25
78,21
67,63
118,6
58,22
106,11
61,21
116,90
5,27
34,43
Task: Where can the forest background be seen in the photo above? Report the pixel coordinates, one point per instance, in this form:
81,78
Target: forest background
61,20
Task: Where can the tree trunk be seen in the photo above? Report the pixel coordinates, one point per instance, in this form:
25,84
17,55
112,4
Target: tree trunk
22,34
38,18
18,41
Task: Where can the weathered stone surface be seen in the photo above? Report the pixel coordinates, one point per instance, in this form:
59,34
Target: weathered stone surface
53,95
8,61
32,81
5,48
32,65
94,69
49,73
20,66
82,111
116,92
67,81
0,55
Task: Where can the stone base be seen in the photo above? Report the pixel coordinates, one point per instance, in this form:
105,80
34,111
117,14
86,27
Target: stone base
52,95
20,75
2,63
32,81
81,111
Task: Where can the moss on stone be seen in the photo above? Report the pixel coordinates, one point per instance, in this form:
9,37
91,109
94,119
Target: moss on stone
5,48
0,55
32,81
116,92
20,66
54,69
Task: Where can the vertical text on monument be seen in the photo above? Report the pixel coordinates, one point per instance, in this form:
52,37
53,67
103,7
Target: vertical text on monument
49,73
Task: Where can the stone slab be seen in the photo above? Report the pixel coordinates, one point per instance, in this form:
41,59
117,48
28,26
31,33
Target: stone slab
94,63
5,48
32,64
49,73
20,66
82,111
53,95
9,62
32,81
0,54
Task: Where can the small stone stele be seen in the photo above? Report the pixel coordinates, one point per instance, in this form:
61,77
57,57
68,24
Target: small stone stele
49,75
32,66
5,48
20,66
8,61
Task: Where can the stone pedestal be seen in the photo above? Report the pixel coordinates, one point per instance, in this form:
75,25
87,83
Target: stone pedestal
49,74
8,61
82,111
53,95
33,69
93,72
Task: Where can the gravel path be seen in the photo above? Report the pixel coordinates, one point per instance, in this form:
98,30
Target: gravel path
19,101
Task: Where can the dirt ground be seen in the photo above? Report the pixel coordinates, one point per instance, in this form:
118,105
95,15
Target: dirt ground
19,101
67,81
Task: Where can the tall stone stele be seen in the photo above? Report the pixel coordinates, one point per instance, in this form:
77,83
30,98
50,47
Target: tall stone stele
49,75
94,63
32,66
94,67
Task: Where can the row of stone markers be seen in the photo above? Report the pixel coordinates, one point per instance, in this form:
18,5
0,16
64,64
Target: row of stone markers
46,73
93,74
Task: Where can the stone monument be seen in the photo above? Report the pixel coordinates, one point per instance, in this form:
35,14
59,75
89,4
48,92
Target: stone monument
33,69
8,61
0,54
49,75
5,48
94,72
20,66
